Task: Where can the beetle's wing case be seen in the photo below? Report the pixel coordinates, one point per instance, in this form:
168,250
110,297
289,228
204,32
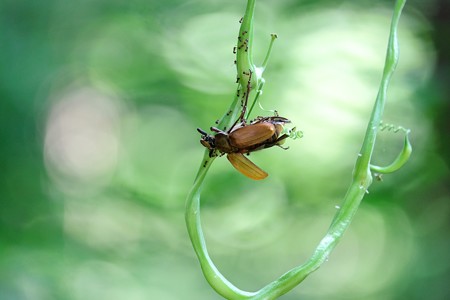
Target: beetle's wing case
246,166
250,135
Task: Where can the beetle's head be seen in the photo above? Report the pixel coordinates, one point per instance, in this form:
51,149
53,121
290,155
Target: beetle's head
207,140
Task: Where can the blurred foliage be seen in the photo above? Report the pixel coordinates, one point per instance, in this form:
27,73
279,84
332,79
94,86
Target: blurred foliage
99,105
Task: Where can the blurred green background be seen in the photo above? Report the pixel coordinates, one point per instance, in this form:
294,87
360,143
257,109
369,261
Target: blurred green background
99,104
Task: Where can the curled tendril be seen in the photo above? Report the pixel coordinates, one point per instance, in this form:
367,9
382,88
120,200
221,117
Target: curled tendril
393,128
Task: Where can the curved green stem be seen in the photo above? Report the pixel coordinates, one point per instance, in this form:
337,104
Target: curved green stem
365,155
362,177
295,276
273,37
193,224
192,215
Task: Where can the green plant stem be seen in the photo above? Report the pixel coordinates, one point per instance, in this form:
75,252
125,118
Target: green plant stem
362,169
244,64
244,57
193,223
361,180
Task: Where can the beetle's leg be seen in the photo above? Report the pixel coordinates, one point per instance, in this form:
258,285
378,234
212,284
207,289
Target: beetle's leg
215,129
245,98
284,148
280,141
244,102
283,137
247,94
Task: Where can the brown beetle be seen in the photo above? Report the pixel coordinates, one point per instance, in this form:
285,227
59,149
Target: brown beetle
261,133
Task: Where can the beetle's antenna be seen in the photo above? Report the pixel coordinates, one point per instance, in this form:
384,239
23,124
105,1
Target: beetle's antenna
244,102
202,132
